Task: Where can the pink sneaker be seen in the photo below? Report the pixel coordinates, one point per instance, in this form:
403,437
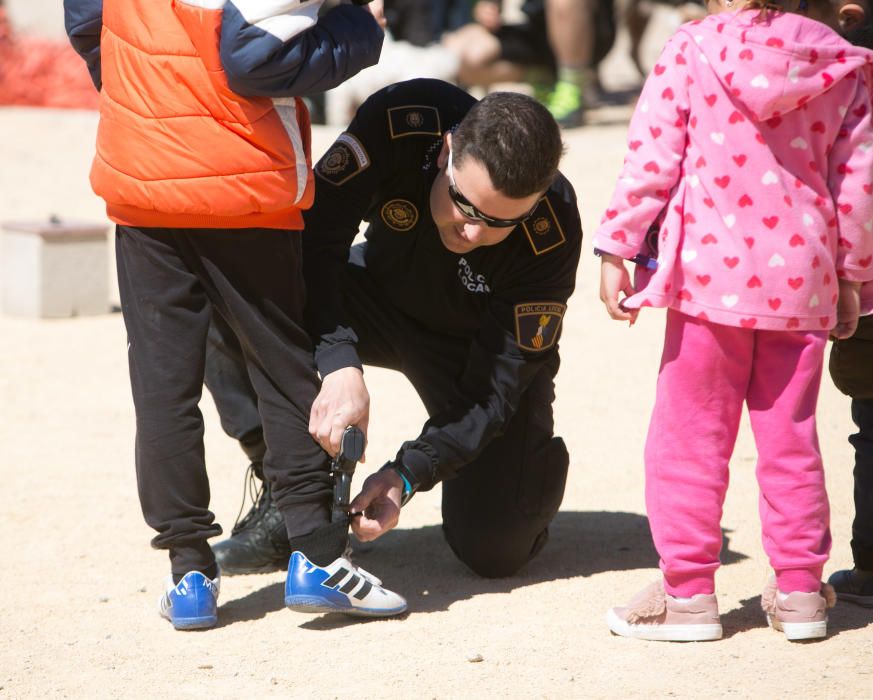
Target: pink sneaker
654,615
799,615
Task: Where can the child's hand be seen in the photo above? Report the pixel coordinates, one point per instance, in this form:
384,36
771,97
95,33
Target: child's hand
848,309
615,280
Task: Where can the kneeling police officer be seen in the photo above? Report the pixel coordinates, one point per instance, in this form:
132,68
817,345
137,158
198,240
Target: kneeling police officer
462,284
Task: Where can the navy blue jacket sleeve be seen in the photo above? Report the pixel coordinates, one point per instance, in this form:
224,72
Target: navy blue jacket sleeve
83,20
295,54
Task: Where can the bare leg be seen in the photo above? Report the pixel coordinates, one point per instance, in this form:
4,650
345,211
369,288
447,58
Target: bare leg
478,51
570,25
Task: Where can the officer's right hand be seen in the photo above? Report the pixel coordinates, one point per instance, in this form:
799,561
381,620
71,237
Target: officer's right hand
342,401
376,509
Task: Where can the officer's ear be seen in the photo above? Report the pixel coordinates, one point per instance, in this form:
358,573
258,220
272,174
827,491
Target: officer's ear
443,157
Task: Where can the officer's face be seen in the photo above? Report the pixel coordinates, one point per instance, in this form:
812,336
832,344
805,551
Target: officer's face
460,229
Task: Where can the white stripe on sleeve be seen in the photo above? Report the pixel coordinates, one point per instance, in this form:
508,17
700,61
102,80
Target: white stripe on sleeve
284,19
286,108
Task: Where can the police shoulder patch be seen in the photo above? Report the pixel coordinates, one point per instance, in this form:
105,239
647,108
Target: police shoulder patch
537,324
399,214
414,120
344,159
542,228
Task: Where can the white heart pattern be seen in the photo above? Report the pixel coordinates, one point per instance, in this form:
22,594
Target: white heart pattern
644,108
776,261
717,137
730,300
688,255
807,220
843,110
730,220
793,73
770,178
693,181
813,302
799,142
760,81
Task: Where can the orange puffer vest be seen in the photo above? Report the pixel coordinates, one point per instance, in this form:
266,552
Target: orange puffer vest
176,148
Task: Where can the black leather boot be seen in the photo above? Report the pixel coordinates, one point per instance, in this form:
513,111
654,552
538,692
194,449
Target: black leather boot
259,542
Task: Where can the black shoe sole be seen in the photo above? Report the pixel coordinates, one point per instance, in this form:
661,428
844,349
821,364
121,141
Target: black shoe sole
264,569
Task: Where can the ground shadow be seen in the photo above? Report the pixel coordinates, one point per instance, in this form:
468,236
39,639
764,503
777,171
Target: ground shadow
419,563
848,616
842,618
744,618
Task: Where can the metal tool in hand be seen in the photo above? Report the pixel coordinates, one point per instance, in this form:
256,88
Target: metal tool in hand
342,468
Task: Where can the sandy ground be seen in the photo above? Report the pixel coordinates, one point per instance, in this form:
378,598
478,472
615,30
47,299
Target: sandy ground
79,582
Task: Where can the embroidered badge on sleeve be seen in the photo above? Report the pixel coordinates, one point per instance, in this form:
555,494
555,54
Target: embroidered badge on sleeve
344,159
537,324
414,120
542,228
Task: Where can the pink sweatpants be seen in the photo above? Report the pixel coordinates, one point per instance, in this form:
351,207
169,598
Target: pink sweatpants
707,371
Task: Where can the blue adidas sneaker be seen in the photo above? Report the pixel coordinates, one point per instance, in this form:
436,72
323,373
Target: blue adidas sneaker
339,587
192,603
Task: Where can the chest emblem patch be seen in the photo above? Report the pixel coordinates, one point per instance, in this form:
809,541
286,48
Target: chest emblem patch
399,214
537,324
542,228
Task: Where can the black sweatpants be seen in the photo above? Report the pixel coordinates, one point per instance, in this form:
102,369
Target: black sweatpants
496,512
231,389
171,281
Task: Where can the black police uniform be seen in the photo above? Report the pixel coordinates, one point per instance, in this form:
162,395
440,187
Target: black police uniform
476,334
851,367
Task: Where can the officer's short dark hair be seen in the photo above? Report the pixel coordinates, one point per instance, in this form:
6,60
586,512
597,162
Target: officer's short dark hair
515,138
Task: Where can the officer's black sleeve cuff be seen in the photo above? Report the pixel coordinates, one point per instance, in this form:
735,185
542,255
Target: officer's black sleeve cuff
337,356
416,463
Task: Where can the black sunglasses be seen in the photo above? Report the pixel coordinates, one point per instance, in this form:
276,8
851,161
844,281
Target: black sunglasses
463,205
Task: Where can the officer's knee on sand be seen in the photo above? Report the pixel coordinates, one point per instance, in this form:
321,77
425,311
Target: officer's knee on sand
494,554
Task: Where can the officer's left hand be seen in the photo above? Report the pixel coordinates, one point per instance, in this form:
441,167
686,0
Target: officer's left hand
378,505
342,401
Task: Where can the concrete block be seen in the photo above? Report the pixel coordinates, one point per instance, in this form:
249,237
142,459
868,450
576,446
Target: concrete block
54,269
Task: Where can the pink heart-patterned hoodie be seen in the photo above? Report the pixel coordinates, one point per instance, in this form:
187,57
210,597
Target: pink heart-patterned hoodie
751,152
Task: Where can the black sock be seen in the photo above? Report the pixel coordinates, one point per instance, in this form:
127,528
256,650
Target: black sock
210,573
323,545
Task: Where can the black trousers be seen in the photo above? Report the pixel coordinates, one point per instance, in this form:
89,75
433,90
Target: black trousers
496,512
171,284
851,367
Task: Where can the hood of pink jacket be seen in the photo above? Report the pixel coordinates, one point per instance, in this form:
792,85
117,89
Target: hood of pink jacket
780,64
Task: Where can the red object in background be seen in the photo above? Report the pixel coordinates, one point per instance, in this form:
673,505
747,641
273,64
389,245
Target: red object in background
42,72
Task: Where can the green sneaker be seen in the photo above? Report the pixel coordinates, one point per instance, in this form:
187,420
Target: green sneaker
566,105
853,586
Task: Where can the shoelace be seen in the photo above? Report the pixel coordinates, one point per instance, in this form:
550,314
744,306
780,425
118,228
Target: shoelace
347,555
254,489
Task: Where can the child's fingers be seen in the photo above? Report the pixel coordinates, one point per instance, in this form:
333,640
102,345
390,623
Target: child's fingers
617,311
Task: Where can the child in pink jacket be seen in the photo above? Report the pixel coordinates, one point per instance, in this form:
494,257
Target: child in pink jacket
751,152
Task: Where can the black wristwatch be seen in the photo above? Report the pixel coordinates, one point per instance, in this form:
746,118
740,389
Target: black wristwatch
405,477
361,2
